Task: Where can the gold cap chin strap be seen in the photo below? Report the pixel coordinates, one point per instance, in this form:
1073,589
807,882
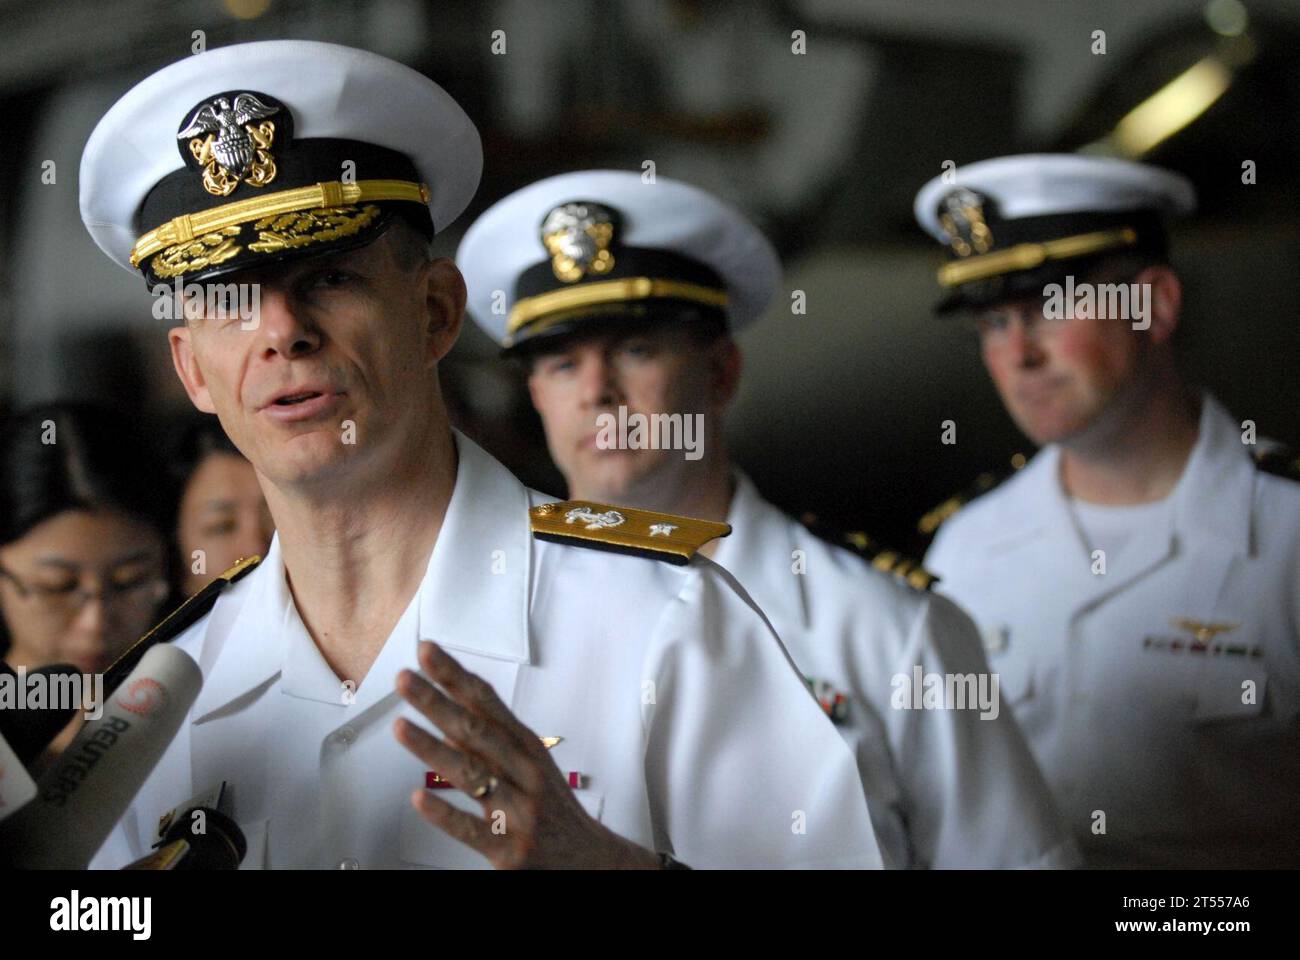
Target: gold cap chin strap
335,193
1026,256
609,291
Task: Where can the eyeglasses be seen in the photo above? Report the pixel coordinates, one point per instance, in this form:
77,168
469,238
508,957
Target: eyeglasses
68,600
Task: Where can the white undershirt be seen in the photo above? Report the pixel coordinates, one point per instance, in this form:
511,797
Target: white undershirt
1114,529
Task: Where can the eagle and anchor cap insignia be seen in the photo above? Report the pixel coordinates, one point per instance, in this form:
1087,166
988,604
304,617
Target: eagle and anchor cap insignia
224,140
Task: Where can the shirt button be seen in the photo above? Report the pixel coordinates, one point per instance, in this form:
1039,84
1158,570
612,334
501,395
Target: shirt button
349,863
995,638
345,735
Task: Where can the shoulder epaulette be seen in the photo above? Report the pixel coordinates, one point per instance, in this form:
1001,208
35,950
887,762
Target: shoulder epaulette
985,482
883,558
643,533
1278,460
177,621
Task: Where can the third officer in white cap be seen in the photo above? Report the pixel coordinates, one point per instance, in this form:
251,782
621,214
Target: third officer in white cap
1138,581
619,296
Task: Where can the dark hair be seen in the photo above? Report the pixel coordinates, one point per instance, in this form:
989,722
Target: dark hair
411,248
70,456
193,439
1122,264
73,456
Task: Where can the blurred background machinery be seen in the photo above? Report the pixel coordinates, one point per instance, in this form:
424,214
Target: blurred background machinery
842,406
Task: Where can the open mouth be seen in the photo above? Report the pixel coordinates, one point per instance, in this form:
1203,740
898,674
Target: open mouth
303,404
296,398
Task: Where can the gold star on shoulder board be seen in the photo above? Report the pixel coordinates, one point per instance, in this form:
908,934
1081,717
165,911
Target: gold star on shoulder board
646,533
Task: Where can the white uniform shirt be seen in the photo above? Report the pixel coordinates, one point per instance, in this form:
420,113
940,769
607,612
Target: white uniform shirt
1192,757
677,706
946,788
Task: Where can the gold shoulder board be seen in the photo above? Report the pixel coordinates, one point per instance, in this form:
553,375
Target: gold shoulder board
644,533
177,621
985,482
905,568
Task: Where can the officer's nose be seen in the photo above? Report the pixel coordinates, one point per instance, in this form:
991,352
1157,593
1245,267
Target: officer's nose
283,326
1022,342
598,379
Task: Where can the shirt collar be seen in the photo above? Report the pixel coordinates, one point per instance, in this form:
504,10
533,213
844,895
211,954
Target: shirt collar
475,594
1211,500
239,652
759,553
473,598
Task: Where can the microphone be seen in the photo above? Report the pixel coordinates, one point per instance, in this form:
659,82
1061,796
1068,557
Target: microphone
218,844
28,730
83,795
16,785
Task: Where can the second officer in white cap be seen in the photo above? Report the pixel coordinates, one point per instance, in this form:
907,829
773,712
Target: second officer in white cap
620,297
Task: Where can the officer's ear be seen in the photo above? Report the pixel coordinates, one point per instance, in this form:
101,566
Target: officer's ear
1165,301
444,301
188,369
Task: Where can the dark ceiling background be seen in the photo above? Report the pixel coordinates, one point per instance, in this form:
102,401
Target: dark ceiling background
842,408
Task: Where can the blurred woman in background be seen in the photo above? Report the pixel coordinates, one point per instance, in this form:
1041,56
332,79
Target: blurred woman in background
221,516
83,547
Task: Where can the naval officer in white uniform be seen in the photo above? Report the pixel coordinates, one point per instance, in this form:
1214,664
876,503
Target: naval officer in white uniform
604,696
1138,582
619,296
